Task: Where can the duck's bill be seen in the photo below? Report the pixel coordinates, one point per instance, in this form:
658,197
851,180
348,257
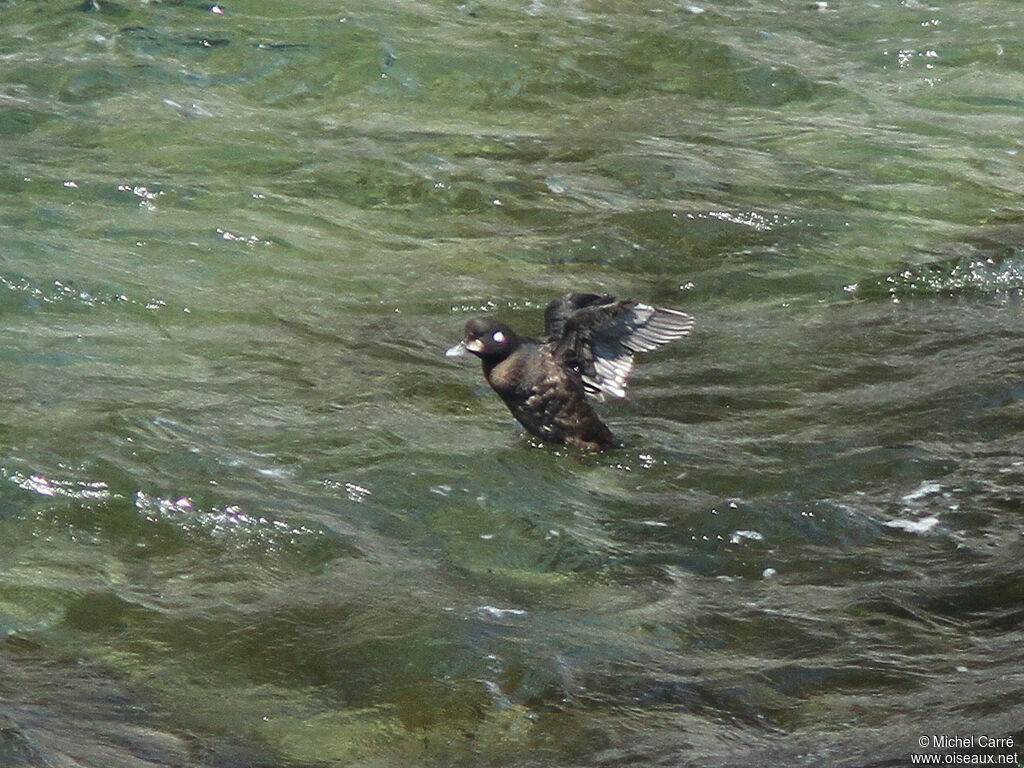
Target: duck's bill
464,347
459,350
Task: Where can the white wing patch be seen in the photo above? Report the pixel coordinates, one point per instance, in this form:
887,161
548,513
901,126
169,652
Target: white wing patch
612,375
646,328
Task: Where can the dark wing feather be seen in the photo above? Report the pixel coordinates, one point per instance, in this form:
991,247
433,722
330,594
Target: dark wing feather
599,339
560,310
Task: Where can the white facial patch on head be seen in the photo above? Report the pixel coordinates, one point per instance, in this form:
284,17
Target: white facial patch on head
498,337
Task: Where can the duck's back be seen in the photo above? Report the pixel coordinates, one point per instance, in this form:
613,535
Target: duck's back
548,397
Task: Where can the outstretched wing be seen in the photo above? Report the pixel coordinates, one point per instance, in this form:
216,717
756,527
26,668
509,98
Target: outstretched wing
601,335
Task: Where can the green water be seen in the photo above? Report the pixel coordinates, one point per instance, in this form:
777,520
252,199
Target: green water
250,515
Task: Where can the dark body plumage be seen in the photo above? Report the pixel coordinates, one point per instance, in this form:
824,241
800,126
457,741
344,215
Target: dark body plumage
587,350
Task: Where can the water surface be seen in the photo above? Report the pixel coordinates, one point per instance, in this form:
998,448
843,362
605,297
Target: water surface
250,514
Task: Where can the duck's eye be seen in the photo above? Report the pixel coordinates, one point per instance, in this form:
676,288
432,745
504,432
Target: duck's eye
498,337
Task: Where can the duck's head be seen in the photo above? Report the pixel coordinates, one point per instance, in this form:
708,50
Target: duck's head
487,338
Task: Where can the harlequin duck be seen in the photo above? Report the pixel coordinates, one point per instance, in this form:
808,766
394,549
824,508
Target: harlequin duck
587,350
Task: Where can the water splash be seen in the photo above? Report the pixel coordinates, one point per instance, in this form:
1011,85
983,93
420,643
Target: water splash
70,292
970,274
89,490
